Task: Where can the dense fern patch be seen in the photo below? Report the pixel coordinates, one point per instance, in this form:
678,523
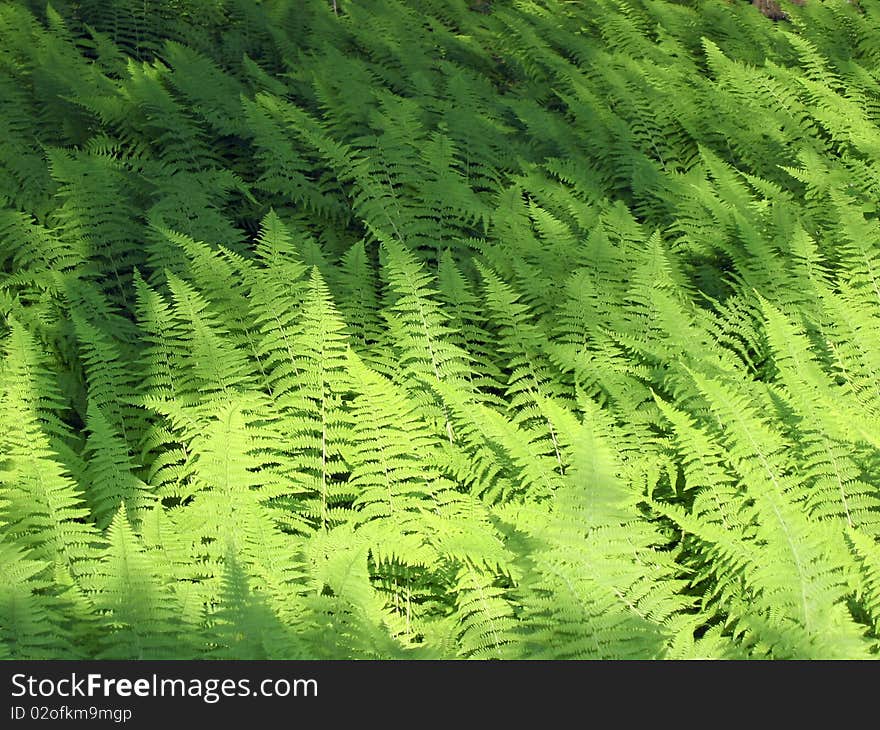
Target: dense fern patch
437,329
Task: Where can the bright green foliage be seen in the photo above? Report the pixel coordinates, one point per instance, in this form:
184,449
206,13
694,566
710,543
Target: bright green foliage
439,329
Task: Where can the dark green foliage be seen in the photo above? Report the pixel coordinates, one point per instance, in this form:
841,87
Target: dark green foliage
439,329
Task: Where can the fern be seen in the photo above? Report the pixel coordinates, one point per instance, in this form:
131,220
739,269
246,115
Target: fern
438,330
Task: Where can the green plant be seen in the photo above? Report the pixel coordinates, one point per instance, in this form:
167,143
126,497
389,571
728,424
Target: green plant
528,329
